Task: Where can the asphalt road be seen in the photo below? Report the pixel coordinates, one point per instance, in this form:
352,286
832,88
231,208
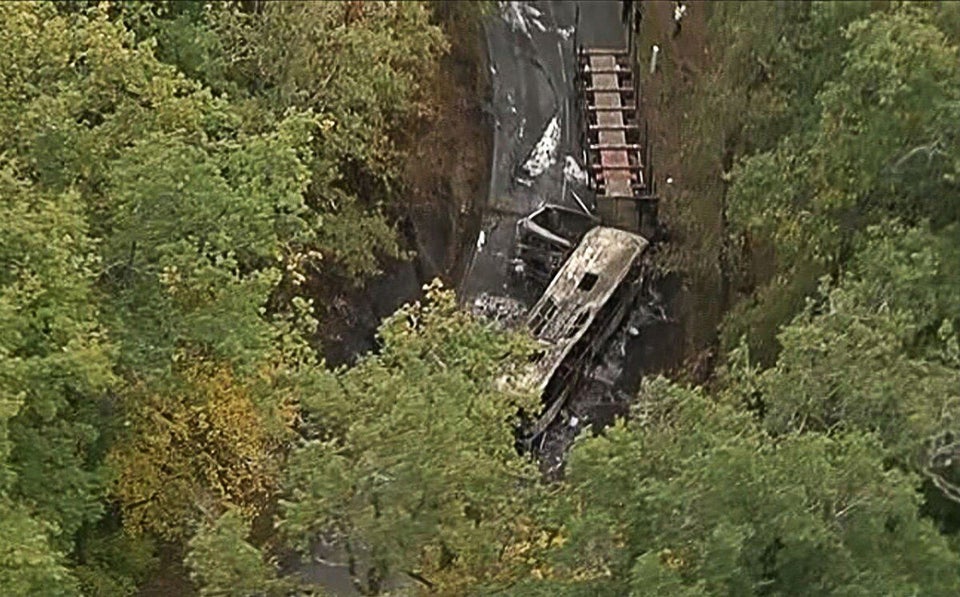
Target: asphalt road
533,65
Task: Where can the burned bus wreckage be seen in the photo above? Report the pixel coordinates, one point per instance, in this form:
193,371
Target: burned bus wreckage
588,266
579,312
547,237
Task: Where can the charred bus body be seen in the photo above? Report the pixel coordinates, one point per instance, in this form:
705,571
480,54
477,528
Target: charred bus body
580,310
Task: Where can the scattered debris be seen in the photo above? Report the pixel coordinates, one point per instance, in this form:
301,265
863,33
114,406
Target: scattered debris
538,25
520,16
547,236
573,172
511,104
565,32
504,311
544,153
481,240
580,202
678,12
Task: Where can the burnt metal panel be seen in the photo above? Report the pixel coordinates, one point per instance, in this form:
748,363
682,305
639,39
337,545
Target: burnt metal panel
579,312
546,238
584,284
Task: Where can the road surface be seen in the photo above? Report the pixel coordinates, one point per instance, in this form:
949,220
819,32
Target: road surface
533,67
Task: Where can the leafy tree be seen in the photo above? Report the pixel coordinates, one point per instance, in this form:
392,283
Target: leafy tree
194,450
29,564
876,149
692,498
54,358
154,154
882,119
361,67
113,563
410,452
783,61
222,563
122,147
170,186
190,252
876,351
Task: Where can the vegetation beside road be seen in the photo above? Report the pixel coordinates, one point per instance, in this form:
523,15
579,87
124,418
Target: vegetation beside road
185,185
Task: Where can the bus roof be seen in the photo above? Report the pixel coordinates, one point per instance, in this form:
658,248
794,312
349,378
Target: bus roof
584,284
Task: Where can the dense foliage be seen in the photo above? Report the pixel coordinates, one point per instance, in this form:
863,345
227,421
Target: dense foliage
179,183
411,452
857,327
694,498
171,175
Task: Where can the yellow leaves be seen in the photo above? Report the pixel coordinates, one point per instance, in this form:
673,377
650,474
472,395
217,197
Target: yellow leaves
532,540
303,261
35,44
672,560
524,549
193,450
171,277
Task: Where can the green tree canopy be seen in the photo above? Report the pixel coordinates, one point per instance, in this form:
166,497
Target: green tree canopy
223,564
54,357
692,498
878,146
167,188
876,351
29,564
410,452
